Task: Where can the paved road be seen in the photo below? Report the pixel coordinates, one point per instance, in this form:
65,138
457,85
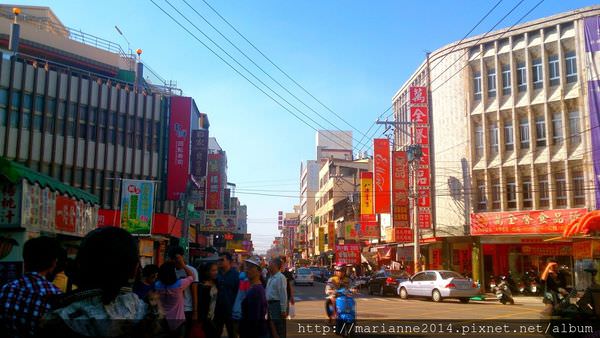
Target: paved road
310,305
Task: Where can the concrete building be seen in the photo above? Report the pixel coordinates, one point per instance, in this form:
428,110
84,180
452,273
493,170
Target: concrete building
333,143
338,192
511,147
309,185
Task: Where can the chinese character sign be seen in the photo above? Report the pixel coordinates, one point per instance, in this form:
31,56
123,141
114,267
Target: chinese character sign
366,193
65,218
369,228
330,234
418,95
179,146
321,239
10,205
419,115
403,235
523,222
381,175
400,189
347,254
137,206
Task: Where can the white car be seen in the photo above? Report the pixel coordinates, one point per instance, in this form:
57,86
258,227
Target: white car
437,285
304,276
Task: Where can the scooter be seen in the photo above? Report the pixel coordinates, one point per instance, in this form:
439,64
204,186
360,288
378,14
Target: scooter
493,283
342,312
503,293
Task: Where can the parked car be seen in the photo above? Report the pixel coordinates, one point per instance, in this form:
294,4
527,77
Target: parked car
304,276
316,271
437,285
384,282
325,274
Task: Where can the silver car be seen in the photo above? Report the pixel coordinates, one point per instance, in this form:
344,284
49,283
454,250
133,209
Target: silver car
437,285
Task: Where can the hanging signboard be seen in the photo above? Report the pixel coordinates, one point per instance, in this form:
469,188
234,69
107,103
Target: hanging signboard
381,175
400,189
137,206
366,193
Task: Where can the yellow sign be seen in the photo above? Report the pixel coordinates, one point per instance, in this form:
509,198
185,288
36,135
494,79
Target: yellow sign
321,239
366,193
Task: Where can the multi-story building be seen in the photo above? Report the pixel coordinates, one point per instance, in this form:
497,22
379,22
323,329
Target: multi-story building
511,148
334,143
309,184
79,109
335,200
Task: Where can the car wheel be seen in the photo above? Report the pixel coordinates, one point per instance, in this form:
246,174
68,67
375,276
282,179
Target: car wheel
436,296
381,291
464,300
403,293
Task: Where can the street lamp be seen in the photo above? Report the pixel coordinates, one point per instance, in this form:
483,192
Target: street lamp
414,153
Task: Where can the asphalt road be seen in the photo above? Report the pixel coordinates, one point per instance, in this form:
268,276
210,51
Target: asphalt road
310,305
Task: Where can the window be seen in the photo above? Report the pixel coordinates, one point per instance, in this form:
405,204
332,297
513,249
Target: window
496,194
479,141
527,196
521,77
543,191
49,124
524,131
511,193
2,116
3,97
553,70
482,198
26,121
578,188
574,127
538,74
39,103
571,66
540,131
506,85
14,118
557,128
561,189
491,82
509,139
27,101
494,138
37,122
477,85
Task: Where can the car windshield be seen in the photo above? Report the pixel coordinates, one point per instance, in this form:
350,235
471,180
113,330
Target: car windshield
303,271
396,274
450,274
314,269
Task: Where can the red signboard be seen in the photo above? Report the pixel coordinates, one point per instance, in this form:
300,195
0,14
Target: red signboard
215,187
423,177
547,249
418,95
331,234
400,189
65,218
403,235
523,222
424,218
419,115
422,135
424,161
366,193
347,254
109,218
179,146
369,229
424,200
381,175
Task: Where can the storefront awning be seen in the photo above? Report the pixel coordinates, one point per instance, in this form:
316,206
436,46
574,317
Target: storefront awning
15,172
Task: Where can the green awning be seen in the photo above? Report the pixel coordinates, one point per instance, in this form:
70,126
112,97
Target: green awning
15,172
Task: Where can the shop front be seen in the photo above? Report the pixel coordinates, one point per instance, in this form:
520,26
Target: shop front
523,241
35,205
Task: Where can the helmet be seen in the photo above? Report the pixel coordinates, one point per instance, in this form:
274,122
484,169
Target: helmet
339,267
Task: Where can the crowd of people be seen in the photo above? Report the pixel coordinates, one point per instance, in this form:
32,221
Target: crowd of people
110,294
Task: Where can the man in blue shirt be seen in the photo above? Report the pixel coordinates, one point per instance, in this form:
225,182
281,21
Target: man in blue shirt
228,282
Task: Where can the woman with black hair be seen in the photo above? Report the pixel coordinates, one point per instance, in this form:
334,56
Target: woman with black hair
104,304
207,298
170,291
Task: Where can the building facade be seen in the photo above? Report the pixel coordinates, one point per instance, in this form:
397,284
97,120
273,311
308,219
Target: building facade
309,184
511,145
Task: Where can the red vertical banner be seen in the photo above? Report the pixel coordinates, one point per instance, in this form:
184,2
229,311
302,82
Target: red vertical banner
400,189
418,95
331,234
178,166
366,193
381,175
419,115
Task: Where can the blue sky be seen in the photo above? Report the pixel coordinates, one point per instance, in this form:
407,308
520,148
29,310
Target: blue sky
352,55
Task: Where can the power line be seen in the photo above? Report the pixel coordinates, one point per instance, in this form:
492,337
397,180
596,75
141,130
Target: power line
238,72
279,68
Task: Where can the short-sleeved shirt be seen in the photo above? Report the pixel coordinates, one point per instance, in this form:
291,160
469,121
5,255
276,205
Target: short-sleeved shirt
23,302
254,313
172,300
187,294
142,289
289,276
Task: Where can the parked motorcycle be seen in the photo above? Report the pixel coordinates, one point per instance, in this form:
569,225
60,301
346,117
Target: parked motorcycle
342,312
503,293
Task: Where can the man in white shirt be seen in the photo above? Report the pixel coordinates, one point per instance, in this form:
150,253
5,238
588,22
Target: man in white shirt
190,294
277,298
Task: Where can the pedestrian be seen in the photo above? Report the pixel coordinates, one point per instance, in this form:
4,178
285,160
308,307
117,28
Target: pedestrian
190,294
171,292
254,306
552,287
207,299
289,277
228,282
24,301
277,298
104,304
146,283
243,288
